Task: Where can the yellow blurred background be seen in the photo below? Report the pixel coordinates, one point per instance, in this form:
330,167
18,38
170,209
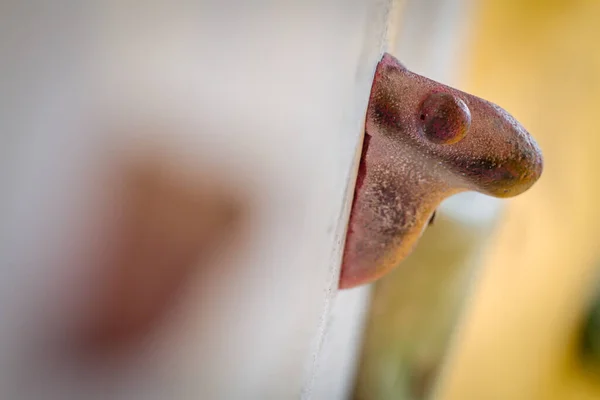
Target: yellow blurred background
521,335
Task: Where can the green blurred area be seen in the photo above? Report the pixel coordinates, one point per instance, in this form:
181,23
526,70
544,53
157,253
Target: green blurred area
415,309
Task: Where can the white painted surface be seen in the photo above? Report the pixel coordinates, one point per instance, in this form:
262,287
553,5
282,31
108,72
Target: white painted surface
269,94
341,349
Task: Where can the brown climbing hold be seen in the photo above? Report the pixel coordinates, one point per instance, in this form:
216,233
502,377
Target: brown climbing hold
426,142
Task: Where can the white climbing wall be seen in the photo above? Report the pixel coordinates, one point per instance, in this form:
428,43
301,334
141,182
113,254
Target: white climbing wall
271,92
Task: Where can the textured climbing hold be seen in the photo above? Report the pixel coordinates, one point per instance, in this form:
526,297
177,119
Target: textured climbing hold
424,142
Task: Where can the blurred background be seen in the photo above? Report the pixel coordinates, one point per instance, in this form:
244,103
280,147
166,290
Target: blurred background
266,100
523,271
